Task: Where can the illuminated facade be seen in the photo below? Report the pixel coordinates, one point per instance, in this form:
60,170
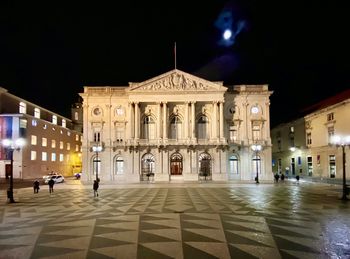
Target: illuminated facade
176,127
50,142
304,147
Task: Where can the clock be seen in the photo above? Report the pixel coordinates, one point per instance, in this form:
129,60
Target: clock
255,109
97,111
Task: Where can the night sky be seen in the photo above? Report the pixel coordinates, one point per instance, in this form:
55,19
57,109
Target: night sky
50,50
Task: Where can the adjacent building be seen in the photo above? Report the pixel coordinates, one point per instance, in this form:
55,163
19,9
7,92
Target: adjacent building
305,146
176,127
51,144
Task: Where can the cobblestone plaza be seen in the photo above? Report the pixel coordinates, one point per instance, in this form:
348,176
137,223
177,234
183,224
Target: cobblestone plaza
177,220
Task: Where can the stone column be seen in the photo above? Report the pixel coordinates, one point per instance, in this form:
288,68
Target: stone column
187,121
159,124
193,123
137,121
165,135
221,120
215,120
128,127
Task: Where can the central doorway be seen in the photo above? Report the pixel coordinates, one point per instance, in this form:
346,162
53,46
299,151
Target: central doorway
176,164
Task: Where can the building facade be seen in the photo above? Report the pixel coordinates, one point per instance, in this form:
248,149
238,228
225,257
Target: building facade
329,119
289,150
51,144
304,146
176,126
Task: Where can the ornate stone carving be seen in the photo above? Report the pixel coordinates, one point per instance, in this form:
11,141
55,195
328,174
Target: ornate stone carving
176,81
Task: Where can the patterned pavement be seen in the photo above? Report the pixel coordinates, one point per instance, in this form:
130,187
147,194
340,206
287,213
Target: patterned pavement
191,220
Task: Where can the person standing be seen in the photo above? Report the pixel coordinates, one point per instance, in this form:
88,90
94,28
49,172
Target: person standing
95,187
51,184
36,185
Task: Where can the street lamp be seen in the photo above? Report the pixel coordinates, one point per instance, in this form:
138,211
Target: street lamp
11,145
256,148
343,142
97,149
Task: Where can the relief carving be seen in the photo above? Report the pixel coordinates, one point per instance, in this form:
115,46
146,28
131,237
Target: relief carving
176,82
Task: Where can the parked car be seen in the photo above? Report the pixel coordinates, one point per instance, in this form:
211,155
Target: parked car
57,178
49,175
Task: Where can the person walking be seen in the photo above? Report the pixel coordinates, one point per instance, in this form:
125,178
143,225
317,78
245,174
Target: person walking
36,185
51,184
95,187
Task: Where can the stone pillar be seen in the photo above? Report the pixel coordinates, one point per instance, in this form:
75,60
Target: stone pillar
193,123
159,124
187,121
165,134
215,120
221,120
128,127
137,121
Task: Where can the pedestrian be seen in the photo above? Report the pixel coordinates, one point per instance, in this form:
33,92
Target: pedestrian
282,177
277,176
36,186
51,184
95,187
297,177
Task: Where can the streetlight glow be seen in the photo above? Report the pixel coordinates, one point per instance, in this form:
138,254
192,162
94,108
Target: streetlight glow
10,146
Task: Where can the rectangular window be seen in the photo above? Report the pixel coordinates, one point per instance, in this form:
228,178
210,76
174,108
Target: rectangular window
233,133
53,157
33,140
76,137
279,144
330,116
37,113
299,160
54,119
53,143
22,107
64,123
23,123
76,148
256,132
61,158
330,133
67,157
308,138
68,146
291,129
309,165
279,165
44,142
43,156
76,116
68,133
32,155
61,144
97,137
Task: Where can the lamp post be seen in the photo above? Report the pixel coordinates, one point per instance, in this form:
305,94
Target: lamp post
10,146
256,148
343,142
97,149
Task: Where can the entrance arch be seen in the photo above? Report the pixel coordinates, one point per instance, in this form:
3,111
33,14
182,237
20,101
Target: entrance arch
205,165
234,167
176,164
147,167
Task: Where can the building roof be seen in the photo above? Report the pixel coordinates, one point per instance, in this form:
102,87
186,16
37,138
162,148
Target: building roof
342,96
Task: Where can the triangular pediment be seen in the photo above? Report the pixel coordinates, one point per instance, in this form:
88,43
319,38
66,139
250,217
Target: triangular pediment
176,80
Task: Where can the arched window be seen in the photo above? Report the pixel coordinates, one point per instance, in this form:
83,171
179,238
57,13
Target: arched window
175,128
203,127
147,166
22,107
176,164
149,128
119,165
233,165
204,164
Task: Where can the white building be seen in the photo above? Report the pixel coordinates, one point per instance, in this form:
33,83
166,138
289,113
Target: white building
176,126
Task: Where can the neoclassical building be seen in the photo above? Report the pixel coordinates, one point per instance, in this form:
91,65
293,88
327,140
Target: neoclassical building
176,126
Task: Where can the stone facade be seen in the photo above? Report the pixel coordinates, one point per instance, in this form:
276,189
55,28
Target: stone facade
176,126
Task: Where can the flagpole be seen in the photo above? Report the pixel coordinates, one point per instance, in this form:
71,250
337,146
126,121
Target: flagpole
175,53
